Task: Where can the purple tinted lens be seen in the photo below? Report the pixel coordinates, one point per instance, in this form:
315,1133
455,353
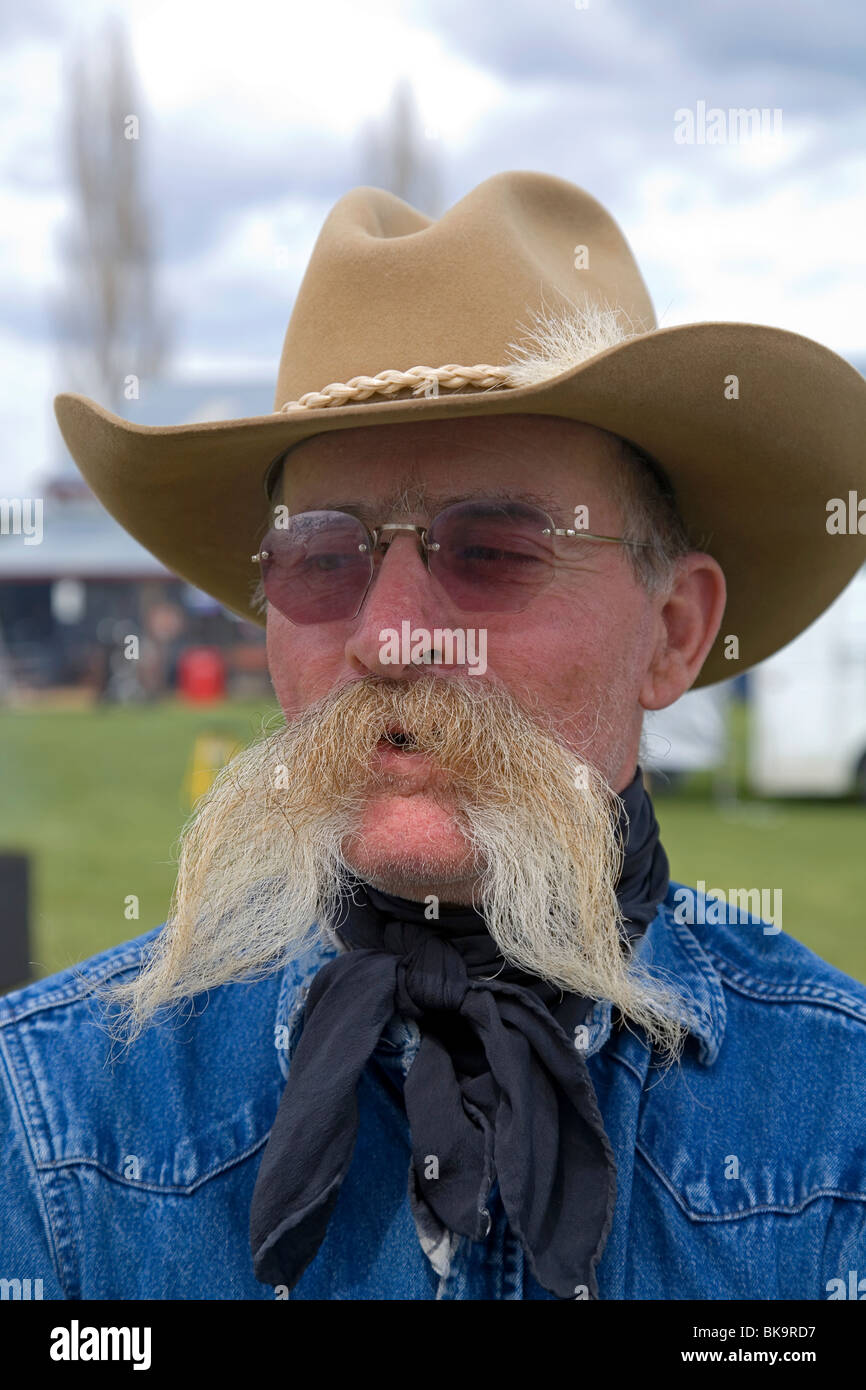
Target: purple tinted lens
315,571
493,556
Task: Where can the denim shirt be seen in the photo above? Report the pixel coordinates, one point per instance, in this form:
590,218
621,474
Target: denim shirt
741,1170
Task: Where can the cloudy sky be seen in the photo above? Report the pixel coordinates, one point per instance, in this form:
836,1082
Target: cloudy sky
252,121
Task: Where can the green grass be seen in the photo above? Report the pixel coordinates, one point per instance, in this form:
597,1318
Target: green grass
96,797
813,852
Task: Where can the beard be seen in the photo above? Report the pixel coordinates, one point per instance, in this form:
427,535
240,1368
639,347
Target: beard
266,856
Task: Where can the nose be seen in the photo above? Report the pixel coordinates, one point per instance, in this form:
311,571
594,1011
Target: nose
401,590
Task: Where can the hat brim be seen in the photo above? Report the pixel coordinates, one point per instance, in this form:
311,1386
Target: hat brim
753,475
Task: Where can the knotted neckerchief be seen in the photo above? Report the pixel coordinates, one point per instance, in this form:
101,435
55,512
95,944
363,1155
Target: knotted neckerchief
499,1087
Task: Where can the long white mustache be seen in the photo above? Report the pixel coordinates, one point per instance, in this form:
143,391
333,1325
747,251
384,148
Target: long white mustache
261,866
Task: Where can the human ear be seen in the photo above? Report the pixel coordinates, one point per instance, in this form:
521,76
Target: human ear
689,619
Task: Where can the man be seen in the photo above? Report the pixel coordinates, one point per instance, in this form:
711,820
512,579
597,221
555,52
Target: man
427,1018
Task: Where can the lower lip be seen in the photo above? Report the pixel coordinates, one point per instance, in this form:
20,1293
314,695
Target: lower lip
389,755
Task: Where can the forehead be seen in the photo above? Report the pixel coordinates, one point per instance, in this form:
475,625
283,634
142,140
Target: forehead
554,463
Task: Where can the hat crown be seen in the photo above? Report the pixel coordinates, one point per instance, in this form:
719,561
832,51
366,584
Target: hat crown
387,287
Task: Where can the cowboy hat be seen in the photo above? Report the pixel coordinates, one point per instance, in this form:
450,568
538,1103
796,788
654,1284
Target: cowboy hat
757,429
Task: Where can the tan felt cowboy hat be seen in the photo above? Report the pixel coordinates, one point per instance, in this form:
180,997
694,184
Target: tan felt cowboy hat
400,317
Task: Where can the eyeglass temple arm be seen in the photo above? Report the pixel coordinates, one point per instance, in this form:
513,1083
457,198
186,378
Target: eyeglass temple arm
592,536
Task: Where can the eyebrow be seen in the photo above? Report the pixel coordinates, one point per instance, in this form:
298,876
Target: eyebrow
369,512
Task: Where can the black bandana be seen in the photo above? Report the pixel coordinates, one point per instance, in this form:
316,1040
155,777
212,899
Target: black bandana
499,1087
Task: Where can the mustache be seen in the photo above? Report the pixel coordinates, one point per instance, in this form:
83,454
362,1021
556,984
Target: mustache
451,721
261,861
485,740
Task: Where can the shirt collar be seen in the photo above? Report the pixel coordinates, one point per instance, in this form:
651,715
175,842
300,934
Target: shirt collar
670,951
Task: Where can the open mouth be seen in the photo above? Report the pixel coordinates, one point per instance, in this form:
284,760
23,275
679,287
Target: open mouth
397,737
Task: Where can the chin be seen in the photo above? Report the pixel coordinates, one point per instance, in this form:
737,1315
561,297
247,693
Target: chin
412,852
460,893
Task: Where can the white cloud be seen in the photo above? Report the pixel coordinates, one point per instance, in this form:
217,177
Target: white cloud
282,68
31,442
790,255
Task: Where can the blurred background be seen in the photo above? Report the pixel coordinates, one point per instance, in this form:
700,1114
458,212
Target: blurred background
164,172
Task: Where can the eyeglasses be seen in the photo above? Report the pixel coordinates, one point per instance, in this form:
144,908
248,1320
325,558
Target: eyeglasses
489,556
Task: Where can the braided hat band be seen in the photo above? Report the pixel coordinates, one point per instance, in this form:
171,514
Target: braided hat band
424,381
557,342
